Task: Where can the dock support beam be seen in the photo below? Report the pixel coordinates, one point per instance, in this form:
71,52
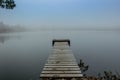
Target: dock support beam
62,40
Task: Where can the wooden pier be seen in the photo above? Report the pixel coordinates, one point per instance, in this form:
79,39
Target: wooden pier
61,64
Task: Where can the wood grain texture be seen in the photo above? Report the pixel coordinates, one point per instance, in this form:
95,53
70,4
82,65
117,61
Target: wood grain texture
61,63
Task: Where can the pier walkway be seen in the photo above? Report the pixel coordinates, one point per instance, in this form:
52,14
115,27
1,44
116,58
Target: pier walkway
61,64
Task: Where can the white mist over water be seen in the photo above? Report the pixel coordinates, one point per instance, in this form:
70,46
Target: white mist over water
23,55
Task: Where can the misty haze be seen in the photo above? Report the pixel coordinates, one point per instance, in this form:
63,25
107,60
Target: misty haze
27,32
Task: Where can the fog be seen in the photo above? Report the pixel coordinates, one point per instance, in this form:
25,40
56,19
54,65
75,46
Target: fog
27,31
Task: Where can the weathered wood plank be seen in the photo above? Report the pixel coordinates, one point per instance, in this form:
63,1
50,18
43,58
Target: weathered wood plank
62,69
70,58
61,64
67,60
61,47
61,53
65,50
61,56
61,72
60,43
61,75
62,60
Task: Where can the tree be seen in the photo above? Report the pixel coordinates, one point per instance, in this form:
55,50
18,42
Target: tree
8,4
83,67
108,75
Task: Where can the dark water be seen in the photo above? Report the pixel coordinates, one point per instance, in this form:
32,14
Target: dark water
22,55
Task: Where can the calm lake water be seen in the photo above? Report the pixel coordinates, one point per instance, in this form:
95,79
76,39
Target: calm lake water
22,55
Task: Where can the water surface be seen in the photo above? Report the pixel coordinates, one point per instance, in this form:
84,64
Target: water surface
22,55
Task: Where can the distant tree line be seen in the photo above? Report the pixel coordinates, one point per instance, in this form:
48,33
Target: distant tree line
4,28
7,4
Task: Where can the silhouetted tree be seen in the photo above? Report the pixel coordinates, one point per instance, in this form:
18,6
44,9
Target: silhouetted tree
83,67
108,75
8,4
99,76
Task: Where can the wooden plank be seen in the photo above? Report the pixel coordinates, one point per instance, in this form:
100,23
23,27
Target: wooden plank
61,56
58,53
61,60
61,50
61,47
61,64
64,69
61,67
62,53
64,46
64,57
62,75
61,72
54,58
60,43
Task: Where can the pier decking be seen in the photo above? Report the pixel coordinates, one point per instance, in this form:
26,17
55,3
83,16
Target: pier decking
61,64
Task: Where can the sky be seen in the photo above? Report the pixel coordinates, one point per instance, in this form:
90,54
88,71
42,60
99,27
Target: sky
63,13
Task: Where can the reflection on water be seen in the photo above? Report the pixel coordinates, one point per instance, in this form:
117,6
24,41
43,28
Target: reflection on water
22,55
4,38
